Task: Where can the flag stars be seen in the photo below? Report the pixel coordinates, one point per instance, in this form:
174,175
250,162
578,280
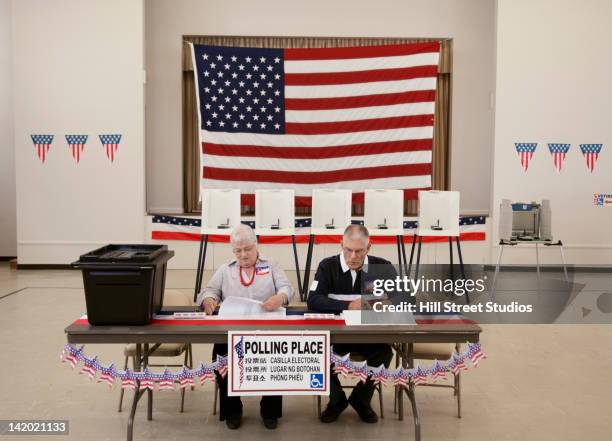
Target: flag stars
206,73
220,74
219,57
248,59
256,68
277,60
234,58
227,66
270,68
205,56
262,59
213,65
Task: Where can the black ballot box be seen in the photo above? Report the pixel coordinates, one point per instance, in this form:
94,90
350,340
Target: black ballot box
124,284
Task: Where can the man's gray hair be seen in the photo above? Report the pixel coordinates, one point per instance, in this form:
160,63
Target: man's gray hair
243,235
354,232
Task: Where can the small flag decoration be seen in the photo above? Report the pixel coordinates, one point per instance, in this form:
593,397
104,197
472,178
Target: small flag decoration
42,144
76,143
558,152
525,151
591,154
110,143
185,377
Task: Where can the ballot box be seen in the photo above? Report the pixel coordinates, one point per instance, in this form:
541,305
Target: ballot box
124,284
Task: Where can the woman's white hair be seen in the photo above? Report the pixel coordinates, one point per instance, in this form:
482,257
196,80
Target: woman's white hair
243,235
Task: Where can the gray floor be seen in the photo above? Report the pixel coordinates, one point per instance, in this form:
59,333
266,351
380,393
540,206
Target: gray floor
540,382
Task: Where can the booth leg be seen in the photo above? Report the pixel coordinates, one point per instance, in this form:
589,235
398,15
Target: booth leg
304,293
297,263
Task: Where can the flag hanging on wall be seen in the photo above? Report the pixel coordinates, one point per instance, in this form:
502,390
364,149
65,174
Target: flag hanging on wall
591,154
354,118
525,151
110,143
42,144
76,143
558,152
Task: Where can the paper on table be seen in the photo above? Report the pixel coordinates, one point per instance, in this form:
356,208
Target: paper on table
371,318
239,307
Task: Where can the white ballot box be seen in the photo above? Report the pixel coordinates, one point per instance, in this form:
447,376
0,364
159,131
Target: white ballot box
274,212
384,212
220,210
438,213
331,211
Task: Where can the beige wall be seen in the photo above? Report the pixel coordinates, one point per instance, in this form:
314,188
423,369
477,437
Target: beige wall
554,85
8,228
78,69
471,24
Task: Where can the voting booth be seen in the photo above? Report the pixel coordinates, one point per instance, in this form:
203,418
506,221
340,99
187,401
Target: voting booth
438,213
220,213
220,210
274,212
383,213
331,211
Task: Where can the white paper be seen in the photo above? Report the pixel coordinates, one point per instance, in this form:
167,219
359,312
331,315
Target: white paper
352,317
240,307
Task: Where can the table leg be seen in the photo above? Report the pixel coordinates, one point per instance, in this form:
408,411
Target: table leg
149,391
410,391
137,394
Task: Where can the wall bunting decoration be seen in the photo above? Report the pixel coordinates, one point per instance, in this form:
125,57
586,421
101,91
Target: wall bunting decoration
525,152
591,154
110,143
42,144
558,152
76,143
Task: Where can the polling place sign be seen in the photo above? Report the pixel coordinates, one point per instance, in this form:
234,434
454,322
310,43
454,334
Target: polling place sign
278,363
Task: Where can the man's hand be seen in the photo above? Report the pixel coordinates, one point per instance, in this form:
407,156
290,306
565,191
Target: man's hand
274,302
210,305
355,304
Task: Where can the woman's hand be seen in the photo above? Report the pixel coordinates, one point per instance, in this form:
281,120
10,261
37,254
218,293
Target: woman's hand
210,305
274,302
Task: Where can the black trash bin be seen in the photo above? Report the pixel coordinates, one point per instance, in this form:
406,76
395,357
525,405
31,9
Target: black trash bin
124,284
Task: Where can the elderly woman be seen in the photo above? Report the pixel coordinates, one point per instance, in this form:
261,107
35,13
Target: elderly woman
255,277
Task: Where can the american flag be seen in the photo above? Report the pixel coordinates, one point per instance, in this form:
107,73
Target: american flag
42,144
76,143
128,383
419,376
355,118
166,382
525,151
475,354
239,347
89,370
110,143
591,153
106,377
558,152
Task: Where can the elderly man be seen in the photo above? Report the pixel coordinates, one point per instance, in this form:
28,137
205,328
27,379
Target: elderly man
255,277
337,286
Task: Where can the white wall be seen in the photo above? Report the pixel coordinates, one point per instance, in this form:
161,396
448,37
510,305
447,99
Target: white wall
469,22
553,85
8,227
78,69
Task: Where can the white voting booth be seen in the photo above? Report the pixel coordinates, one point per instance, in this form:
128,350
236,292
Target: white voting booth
220,210
275,212
384,212
331,211
275,216
438,213
438,217
331,214
220,213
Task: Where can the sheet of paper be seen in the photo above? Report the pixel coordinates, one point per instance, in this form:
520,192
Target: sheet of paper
241,307
373,318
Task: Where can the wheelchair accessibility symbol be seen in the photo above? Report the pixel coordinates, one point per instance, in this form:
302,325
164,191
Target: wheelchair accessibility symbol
316,381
